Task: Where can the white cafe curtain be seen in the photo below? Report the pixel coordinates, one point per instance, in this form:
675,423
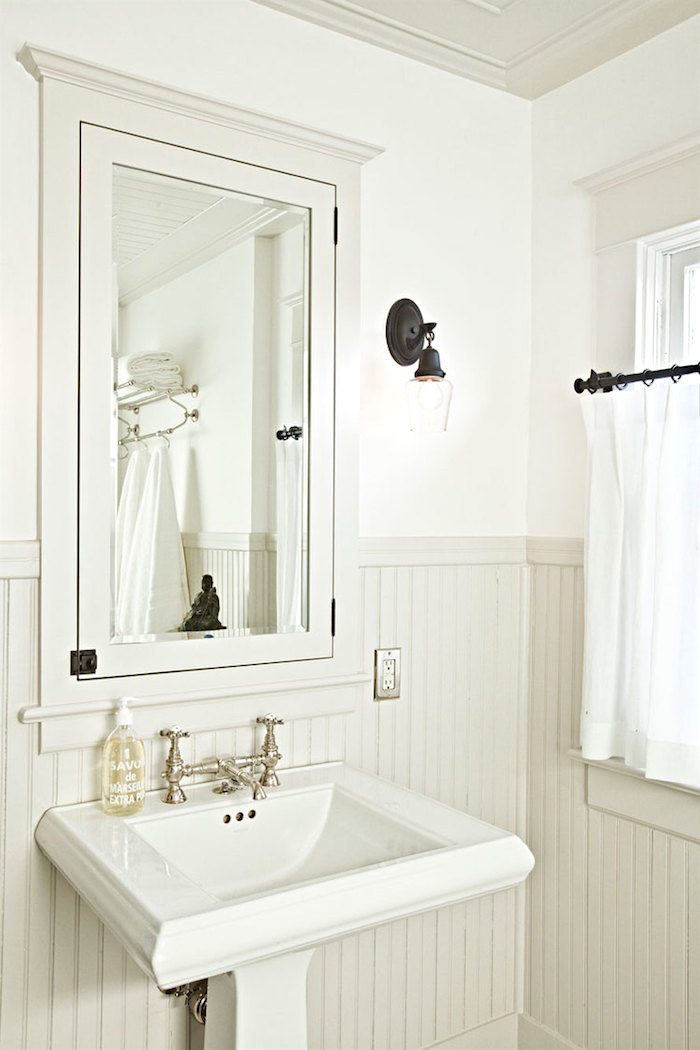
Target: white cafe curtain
641,675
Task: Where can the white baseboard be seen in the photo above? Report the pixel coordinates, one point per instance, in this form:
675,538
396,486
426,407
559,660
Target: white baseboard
534,1036
501,1034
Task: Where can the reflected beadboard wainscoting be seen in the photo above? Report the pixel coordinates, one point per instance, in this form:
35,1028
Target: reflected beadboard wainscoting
613,947
457,733
244,569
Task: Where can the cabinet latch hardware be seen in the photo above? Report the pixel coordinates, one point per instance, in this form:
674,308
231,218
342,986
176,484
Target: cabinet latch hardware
333,617
83,661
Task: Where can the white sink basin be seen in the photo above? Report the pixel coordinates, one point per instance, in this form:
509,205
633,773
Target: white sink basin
194,891
291,838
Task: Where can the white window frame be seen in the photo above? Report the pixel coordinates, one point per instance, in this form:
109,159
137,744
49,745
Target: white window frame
654,258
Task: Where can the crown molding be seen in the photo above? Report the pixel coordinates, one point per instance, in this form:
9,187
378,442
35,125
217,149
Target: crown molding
537,69
641,164
494,7
560,57
44,64
343,16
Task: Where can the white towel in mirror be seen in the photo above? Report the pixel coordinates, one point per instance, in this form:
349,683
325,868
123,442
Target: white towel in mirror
154,594
157,368
128,510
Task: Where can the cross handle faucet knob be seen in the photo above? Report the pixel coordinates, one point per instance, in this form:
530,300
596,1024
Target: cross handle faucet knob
174,733
269,720
270,754
174,766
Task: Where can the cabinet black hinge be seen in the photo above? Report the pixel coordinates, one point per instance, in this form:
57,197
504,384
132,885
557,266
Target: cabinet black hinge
335,226
333,617
84,661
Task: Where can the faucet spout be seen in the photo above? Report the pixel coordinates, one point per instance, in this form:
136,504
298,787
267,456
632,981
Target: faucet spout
229,769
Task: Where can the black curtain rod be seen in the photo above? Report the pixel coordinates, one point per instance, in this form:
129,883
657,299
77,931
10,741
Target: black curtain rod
607,381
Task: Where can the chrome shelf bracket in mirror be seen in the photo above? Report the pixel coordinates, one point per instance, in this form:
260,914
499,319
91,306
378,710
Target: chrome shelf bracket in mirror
134,397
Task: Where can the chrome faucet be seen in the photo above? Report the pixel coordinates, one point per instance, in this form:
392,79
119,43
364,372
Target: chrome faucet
237,776
234,772
270,754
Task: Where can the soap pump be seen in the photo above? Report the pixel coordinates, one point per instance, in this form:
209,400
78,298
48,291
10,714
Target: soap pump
123,766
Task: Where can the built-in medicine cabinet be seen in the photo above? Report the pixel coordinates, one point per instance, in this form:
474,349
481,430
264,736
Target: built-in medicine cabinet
197,313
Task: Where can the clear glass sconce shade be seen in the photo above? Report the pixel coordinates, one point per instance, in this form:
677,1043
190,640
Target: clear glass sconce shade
428,404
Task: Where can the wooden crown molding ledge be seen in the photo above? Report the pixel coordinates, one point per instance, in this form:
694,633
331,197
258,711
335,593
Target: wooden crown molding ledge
42,64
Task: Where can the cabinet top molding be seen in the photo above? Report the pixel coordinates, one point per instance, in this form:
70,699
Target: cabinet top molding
42,64
640,164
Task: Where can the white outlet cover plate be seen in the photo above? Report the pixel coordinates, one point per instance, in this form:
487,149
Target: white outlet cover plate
382,690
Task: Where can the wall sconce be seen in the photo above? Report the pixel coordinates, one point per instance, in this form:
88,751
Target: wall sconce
429,393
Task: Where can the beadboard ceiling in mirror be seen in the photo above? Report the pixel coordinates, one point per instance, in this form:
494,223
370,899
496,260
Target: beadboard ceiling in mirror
163,228
527,47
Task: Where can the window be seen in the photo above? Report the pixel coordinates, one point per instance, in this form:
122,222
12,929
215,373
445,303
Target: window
668,298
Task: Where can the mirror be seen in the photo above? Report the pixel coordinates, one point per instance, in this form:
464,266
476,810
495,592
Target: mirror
210,398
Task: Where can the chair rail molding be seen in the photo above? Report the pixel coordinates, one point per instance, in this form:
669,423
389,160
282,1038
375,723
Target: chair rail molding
470,550
19,559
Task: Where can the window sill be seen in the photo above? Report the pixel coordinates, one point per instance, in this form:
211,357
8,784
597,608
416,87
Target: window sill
613,787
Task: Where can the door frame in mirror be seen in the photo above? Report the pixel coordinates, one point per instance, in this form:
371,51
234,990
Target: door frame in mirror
74,92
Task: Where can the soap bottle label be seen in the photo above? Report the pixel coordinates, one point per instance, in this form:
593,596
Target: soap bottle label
123,787
126,787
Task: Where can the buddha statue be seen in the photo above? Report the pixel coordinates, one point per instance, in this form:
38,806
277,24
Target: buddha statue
204,613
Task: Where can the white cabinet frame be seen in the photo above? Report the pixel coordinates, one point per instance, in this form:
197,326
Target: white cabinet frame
75,94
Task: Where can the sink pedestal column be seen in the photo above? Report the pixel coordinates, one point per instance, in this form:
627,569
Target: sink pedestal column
261,1006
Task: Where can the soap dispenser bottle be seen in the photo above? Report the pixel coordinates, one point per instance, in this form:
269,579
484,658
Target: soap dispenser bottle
123,766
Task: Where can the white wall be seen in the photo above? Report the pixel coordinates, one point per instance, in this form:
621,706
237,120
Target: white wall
206,319
444,209
641,100
613,922
445,219
67,984
613,942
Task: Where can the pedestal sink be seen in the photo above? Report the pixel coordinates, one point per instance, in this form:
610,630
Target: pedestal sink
241,892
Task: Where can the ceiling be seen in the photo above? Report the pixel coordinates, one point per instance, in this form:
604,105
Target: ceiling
164,227
146,209
527,47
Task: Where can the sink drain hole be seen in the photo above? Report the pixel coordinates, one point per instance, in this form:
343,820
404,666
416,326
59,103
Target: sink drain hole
251,813
239,816
227,818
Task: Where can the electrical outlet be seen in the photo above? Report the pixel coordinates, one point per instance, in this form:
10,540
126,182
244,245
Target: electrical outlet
387,674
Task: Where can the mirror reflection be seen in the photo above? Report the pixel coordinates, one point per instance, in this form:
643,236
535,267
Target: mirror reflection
210,393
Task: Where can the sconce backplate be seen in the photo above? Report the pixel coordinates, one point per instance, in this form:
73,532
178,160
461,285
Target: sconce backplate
404,332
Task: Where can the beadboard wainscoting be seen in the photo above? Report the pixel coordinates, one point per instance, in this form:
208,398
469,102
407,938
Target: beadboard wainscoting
613,942
457,734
